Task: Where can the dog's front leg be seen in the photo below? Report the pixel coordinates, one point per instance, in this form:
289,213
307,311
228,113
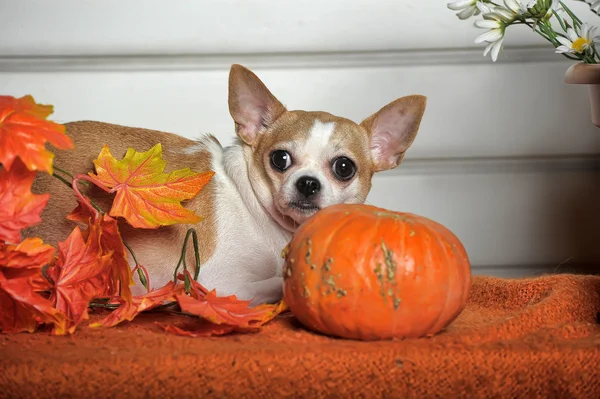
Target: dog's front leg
265,291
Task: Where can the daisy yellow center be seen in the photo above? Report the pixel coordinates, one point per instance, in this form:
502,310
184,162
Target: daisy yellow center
580,43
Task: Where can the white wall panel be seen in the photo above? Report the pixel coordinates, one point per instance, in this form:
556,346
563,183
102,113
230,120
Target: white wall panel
516,213
240,26
508,109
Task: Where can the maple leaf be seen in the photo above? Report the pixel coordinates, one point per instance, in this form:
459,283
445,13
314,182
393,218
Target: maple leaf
24,132
204,328
227,309
111,244
22,308
219,315
81,274
138,304
19,207
145,196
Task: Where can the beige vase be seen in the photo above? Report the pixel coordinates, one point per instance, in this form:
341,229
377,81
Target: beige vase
588,74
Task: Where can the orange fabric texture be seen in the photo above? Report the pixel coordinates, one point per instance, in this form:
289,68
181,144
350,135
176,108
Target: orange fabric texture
536,337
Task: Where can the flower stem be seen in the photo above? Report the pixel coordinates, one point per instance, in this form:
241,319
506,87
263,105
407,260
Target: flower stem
64,172
536,29
571,57
182,261
560,21
547,32
141,270
62,179
196,254
576,21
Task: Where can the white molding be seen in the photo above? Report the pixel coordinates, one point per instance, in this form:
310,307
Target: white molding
490,165
351,59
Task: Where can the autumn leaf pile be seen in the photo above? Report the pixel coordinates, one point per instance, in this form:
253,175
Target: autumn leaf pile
43,288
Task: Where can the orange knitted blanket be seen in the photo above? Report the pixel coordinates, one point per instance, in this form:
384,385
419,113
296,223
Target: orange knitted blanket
536,337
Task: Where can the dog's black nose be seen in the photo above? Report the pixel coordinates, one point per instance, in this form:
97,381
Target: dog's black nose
308,186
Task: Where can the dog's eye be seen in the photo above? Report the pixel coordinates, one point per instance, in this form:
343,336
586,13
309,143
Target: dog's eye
281,160
344,168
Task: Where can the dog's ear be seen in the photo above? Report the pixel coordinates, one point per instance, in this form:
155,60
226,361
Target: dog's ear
393,129
251,104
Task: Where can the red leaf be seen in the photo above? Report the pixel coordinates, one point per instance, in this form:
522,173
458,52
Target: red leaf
26,259
24,132
110,243
128,311
219,315
19,207
21,307
81,274
226,309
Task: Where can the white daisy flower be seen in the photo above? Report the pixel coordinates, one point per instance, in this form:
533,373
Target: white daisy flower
496,22
495,48
468,8
514,5
495,30
506,13
577,42
494,36
484,8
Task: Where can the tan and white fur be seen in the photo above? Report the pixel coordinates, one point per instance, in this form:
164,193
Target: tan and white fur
282,168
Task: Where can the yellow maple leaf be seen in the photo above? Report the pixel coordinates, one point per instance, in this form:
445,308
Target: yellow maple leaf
145,196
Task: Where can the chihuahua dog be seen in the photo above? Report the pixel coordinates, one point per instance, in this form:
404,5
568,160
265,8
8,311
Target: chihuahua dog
283,167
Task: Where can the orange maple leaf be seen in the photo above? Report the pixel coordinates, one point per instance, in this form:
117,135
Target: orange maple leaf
150,300
145,196
19,207
227,309
22,308
81,274
111,244
24,132
204,328
221,314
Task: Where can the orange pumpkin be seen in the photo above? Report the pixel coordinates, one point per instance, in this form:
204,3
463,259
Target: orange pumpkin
362,272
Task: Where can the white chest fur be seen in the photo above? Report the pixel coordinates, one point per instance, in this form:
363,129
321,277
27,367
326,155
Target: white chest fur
247,259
